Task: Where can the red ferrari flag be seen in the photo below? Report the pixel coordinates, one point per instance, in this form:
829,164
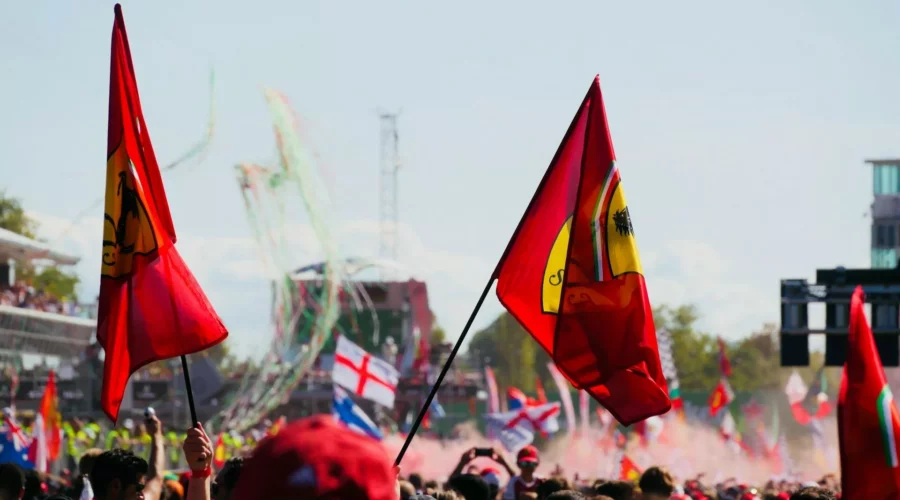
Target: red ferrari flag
151,307
573,278
868,423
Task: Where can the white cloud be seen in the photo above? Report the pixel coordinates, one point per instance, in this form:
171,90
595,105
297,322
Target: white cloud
232,272
691,271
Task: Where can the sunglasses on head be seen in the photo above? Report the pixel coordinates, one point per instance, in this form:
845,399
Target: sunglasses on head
527,464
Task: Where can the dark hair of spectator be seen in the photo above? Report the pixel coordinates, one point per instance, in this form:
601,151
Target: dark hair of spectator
657,481
415,479
470,486
565,495
115,464
12,480
551,485
813,494
33,484
617,490
231,472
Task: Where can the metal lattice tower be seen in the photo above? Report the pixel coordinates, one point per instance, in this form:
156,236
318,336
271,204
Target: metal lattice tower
389,166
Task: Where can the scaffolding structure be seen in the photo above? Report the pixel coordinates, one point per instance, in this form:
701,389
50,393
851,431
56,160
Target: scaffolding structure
389,165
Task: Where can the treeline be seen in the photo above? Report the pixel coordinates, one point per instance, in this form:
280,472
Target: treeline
516,358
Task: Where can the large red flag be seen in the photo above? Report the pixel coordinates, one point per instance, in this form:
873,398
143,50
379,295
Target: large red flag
573,278
151,307
868,423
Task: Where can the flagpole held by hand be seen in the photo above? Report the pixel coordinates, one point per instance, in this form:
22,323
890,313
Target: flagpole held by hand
190,392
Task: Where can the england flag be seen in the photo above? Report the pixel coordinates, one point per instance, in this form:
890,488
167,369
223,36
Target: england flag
346,412
363,374
516,429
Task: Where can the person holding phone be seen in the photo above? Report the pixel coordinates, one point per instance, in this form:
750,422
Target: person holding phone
526,482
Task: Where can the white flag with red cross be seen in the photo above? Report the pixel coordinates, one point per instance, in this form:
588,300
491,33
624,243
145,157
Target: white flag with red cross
517,428
363,374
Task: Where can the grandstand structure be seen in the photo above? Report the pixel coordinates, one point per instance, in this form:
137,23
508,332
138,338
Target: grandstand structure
41,334
26,331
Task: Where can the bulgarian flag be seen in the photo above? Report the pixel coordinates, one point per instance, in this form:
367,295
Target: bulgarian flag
868,423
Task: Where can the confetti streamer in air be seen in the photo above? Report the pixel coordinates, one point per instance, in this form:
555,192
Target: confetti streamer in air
304,313
198,152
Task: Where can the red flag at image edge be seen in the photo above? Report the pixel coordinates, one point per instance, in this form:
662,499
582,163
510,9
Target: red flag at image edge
868,423
573,279
151,306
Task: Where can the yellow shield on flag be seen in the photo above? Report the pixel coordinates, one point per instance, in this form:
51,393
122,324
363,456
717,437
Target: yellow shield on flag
127,229
554,270
621,246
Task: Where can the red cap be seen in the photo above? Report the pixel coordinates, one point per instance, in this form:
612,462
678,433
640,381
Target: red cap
317,458
528,454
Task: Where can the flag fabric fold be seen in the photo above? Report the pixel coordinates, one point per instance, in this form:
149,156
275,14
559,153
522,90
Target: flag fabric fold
150,306
572,276
868,422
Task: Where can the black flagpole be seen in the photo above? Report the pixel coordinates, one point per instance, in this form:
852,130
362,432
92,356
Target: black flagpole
487,288
444,370
190,393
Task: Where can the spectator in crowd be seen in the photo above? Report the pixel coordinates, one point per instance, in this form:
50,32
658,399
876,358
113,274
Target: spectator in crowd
526,481
317,458
227,479
656,484
617,490
12,482
118,475
813,493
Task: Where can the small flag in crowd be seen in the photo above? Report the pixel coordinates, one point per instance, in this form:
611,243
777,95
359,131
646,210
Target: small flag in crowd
721,397
572,276
150,305
868,423
348,413
516,429
724,363
363,374
565,395
14,444
628,470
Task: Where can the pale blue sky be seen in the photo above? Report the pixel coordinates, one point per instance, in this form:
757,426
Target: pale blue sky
730,123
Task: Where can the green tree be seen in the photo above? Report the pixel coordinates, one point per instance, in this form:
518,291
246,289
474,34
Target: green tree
49,278
13,218
510,351
438,336
755,361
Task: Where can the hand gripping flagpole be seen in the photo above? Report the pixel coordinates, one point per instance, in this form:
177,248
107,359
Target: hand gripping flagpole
487,287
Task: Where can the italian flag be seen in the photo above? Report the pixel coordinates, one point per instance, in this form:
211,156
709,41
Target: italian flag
868,422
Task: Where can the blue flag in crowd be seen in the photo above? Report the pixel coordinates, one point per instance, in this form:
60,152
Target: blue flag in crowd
351,415
437,411
12,451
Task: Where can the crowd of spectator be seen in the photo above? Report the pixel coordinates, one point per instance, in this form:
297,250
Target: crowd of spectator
23,295
318,458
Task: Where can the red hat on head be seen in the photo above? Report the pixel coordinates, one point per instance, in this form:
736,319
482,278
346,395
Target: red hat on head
317,458
528,454
491,476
